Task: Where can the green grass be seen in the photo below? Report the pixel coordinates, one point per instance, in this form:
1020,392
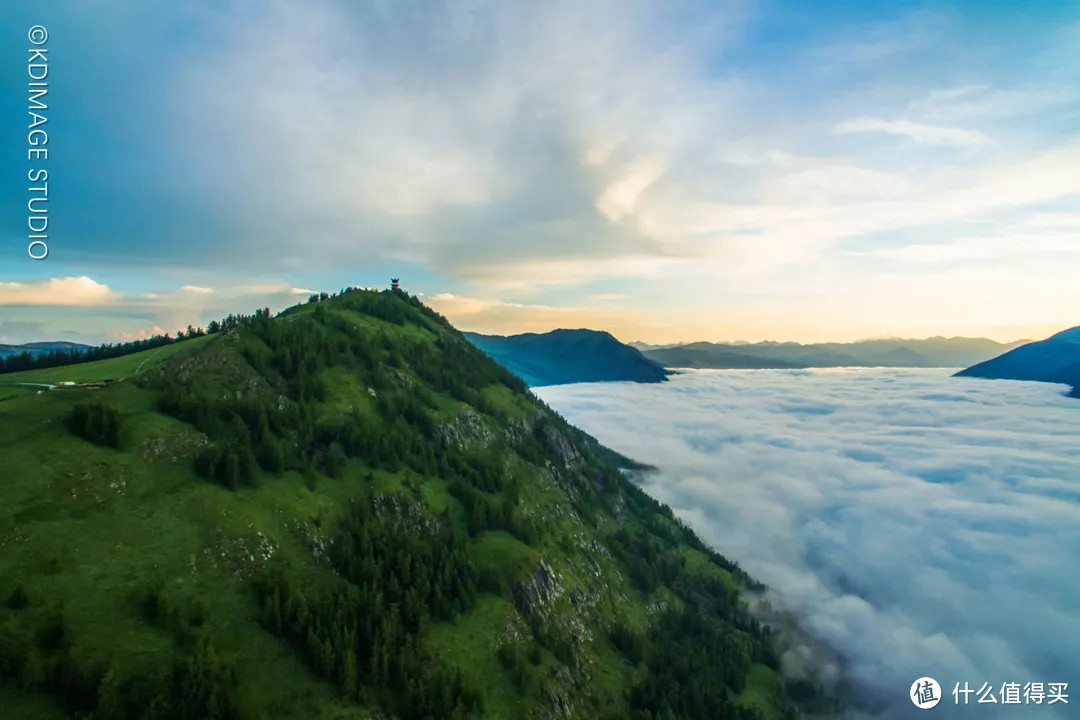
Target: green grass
504,555
764,691
367,322
699,562
347,395
110,369
505,400
467,644
97,527
11,392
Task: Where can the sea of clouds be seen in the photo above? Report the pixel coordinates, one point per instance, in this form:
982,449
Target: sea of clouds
917,524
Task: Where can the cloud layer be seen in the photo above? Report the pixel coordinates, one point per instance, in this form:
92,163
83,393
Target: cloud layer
918,524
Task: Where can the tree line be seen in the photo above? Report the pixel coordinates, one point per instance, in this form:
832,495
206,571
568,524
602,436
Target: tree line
57,357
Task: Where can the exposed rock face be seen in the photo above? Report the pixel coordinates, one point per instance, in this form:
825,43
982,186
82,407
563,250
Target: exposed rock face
518,428
533,595
557,443
559,695
540,426
465,431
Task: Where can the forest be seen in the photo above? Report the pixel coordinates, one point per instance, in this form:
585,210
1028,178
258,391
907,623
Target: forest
394,568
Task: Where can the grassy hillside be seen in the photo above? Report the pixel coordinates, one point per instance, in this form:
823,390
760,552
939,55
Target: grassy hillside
347,511
126,366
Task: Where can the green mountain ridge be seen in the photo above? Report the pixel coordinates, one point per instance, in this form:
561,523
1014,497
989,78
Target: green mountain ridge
348,511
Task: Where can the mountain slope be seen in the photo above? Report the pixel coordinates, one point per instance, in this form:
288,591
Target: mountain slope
711,355
931,352
348,511
1055,359
568,356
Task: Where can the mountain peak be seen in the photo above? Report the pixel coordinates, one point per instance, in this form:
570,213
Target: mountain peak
568,356
349,510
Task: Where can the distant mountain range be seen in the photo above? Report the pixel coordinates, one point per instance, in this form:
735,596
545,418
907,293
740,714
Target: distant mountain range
39,348
568,356
1054,360
892,352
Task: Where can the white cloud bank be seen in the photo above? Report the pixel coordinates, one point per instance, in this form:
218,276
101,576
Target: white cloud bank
919,524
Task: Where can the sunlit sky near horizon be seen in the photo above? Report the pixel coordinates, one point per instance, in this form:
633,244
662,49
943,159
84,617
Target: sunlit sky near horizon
667,171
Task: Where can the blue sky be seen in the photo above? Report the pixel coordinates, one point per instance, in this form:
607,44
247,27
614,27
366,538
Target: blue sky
667,171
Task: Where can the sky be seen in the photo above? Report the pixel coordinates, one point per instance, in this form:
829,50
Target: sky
667,171
939,543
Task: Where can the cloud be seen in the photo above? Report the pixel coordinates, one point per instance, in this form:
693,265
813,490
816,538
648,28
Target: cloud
916,523
68,291
196,290
1018,245
534,151
504,318
128,336
919,132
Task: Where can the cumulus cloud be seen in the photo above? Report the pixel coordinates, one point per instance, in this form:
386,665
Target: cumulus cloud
68,291
918,524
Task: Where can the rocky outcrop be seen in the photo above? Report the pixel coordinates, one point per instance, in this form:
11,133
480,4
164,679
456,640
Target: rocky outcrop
561,447
533,595
465,431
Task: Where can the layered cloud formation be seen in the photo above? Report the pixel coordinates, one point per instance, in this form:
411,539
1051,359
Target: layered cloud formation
918,524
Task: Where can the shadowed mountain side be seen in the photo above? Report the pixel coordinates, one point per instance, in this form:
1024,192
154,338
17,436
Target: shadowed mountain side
568,356
1055,360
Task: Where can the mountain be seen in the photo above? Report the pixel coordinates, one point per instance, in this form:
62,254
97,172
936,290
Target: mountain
347,511
643,346
39,348
931,352
710,355
568,356
1055,360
